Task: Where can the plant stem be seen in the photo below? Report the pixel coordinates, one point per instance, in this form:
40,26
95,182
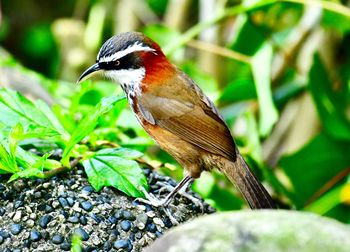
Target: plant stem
73,163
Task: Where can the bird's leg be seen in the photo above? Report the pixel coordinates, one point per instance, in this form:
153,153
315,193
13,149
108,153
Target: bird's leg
183,192
152,200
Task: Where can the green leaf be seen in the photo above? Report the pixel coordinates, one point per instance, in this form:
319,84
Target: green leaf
248,38
7,160
331,105
314,165
37,119
239,90
115,167
261,68
88,124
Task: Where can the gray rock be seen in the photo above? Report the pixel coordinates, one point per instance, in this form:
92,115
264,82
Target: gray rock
265,230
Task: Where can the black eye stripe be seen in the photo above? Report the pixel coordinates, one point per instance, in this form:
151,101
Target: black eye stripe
129,61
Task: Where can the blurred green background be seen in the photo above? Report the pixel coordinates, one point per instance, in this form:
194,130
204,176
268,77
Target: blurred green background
277,70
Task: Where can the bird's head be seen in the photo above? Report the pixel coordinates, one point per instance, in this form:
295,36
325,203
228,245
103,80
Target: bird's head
127,58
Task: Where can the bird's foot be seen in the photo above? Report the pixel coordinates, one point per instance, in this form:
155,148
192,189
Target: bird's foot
155,202
183,192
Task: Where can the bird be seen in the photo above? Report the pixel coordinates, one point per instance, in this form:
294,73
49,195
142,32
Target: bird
176,114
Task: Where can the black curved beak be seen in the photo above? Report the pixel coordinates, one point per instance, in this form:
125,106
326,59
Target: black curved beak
89,72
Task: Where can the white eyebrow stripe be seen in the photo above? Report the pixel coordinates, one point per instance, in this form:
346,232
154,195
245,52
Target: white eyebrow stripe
136,47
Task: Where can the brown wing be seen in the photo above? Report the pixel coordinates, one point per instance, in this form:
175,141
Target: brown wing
194,119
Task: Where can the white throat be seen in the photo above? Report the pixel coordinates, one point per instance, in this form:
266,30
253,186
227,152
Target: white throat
129,79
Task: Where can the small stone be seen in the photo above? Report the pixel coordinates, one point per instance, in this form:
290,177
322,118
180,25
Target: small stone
95,218
87,190
65,246
30,223
17,250
151,214
63,202
82,233
158,222
37,195
107,246
4,234
44,220
18,216
151,227
46,185
70,201
55,204
127,215
125,225
1,239
112,219
121,244
83,220
18,204
73,219
48,209
2,211
26,243
35,236
86,205
32,216
16,229
57,239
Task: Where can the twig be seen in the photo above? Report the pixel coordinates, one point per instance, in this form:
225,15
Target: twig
50,173
222,51
195,30
328,185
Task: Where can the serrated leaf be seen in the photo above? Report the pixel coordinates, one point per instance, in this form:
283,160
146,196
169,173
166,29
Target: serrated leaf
261,68
37,119
109,167
88,124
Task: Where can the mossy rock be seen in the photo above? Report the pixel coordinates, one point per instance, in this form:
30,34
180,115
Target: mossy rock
266,230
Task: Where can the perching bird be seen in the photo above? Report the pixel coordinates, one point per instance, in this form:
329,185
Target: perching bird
176,114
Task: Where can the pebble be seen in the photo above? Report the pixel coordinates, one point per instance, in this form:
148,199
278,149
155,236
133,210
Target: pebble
120,244
65,246
87,190
1,239
158,222
18,204
127,215
18,216
73,219
44,220
82,233
30,223
70,201
112,219
63,202
125,225
83,220
32,216
151,227
16,229
4,234
86,205
55,204
35,236
57,239
2,211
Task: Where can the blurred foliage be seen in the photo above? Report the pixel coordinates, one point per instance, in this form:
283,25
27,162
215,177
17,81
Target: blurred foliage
279,72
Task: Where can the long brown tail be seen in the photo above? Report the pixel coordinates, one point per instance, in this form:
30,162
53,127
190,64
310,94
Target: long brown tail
253,191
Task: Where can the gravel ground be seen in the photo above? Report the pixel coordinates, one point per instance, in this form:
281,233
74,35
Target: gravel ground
42,215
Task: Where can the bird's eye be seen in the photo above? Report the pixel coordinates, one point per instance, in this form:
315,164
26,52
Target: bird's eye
117,62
